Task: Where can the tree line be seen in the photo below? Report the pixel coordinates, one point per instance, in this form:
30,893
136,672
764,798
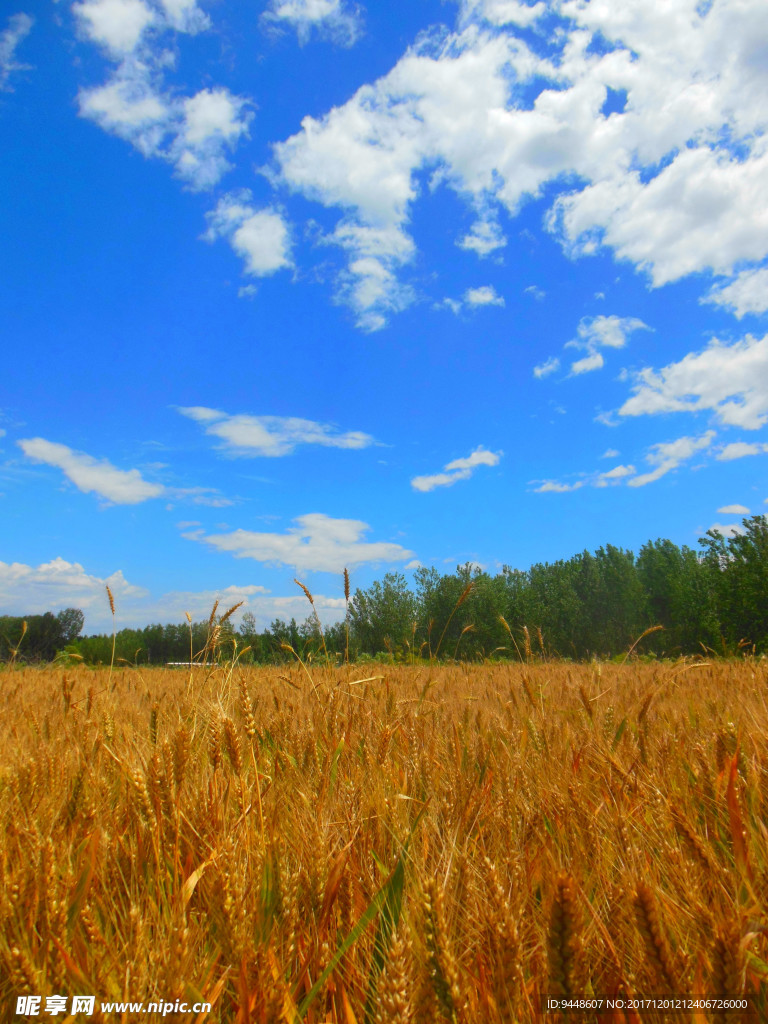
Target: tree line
713,600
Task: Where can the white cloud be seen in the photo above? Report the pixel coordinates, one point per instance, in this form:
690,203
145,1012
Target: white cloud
332,19
318,543
260,237
370,285
208,496
271,436
483,296
668,455
185,16
704,211
594,333
90,475
479,457
115,24
663,457
192,133
733,510
211,112
544,369
607,419
555,487
475,298
740,449
610,453
32,590
504,12
594,361
362,156
675,182
537,293
458,469
727,529
27,589
484,238
729,380
453,304
173,605
19,26
748,293
614,476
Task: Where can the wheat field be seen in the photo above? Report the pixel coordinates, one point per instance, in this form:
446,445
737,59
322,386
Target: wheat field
386,843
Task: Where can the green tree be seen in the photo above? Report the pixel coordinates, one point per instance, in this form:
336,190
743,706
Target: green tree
382,617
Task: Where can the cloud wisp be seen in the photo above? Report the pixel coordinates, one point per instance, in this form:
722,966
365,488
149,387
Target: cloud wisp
597,332
662,457
18,28
458,469
336,20
668,455
271,436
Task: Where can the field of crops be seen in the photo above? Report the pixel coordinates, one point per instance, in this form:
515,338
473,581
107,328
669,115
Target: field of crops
386,843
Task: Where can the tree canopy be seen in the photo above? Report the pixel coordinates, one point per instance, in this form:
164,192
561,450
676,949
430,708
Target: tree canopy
592,604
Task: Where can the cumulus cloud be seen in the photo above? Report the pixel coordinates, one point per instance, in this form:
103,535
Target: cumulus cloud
19,27
748,293
484,238
458,469
193,133
704,211
483,296
370,284
733,510
317,543
674,181
729,380
117,25
51,586
334,19
90,475
594,361
544,369
271,436
739,450
668,455
260,237
727,529
610,453
475,298
594,333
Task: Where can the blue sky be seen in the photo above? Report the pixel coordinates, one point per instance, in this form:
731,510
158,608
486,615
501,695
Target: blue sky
295,285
